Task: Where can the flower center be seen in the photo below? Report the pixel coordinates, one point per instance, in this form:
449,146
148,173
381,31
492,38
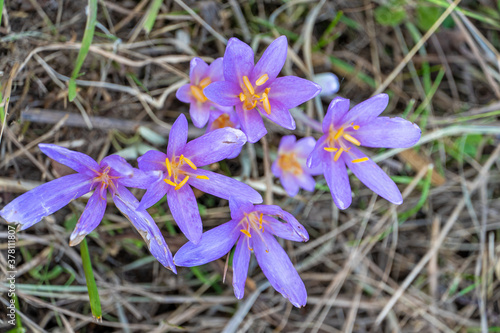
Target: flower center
197,90
104,178
253,223
289,163
336,141
175,171
249,97
222,121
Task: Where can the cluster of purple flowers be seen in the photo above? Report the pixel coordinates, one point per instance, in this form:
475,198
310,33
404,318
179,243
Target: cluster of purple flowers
230,95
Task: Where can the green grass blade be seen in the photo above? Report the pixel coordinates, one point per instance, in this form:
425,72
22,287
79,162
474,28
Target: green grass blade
1,11
95,302
152,14
87,40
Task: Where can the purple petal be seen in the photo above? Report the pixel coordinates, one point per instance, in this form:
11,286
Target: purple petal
306,182
197,70
388,133
292,91
214,146
272,60
275,168
146,226
154,193
304,147
370,174
141,179
152,160
45,199
279,270
75,160
91,217
216,70
238,206
289,183
366,111
336,111
119,166
287,144
183,94
238,61
223,93
278,211
318,154
251,123
338,182
184,209
177,137
224,187
241,259
213,245
280,115
282,230
199,113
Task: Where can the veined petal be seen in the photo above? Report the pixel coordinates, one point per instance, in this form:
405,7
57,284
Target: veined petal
197,70
213,245
289,183
177,137
199,113
141,179
251,123
214,146
279,114
283,214
370,174
338,181
154,193
223,187
282,230
335,113
152,160
279,270
119,166
292,91
272,60
216,70
75,160
366,111
91,217
241,259
224,93
46,199
238,61
184,209
146,226
238,206
183,94
318,155
389,133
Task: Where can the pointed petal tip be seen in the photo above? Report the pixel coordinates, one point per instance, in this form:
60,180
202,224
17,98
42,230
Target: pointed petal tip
76,239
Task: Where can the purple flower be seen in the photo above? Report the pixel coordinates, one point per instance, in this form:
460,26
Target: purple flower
252,87
290,166
344,131
252,228
201,75
180,168
113,174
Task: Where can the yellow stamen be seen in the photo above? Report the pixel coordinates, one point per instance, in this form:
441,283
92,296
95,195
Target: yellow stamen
356,127
190,163
260,220
202,177
181,158
198,94
330,149
352,140
337,155
181,184
266,104
339,133
169,167
169,182
248,85
246,232
358,160
242,97
205,82
261,80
